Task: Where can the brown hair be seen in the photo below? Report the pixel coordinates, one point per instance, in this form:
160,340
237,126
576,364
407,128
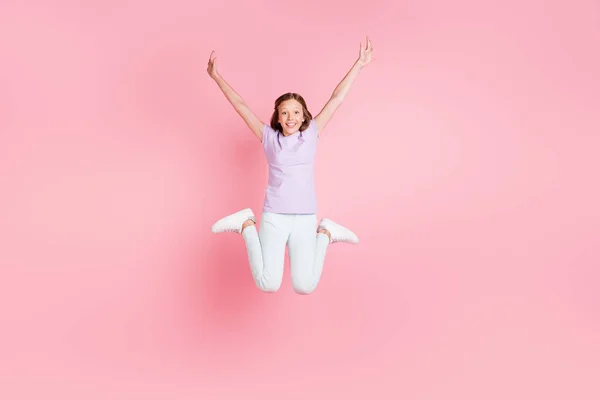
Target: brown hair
289,96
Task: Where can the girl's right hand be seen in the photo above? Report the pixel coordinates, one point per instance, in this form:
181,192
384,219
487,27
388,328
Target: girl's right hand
212,66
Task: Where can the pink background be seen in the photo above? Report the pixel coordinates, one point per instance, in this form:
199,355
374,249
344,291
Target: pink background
465,158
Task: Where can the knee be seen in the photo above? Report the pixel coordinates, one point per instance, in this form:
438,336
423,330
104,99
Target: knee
269,289
304,287
303,291
268,286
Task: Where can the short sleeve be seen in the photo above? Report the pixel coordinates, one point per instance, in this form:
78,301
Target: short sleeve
313,129
268,134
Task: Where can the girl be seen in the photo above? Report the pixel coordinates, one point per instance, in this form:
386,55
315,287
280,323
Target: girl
290,205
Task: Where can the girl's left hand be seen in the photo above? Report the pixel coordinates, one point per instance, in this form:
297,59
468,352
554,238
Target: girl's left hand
366,55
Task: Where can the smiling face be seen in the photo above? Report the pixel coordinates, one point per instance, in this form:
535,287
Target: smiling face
291,116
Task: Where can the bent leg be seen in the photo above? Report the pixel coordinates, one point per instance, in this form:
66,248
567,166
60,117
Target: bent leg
307,254
266,252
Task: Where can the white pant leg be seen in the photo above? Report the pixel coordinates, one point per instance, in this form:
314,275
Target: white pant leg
266,250
307,251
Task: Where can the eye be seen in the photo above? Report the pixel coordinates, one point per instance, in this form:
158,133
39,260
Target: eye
297,112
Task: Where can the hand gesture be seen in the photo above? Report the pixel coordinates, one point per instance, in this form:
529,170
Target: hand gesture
366,55
212,66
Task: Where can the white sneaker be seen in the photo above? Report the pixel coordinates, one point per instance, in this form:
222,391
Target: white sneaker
233,222
338,232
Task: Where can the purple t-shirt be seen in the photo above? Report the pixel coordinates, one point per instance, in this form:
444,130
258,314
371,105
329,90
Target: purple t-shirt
291,187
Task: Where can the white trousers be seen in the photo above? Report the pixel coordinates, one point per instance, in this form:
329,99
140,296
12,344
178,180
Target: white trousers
266,251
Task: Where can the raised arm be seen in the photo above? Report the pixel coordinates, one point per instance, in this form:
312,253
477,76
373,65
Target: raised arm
365,56
255,124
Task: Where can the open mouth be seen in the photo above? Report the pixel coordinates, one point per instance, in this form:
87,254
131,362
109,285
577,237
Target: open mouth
290,124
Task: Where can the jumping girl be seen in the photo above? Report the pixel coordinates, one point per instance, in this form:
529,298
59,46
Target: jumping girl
290,204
